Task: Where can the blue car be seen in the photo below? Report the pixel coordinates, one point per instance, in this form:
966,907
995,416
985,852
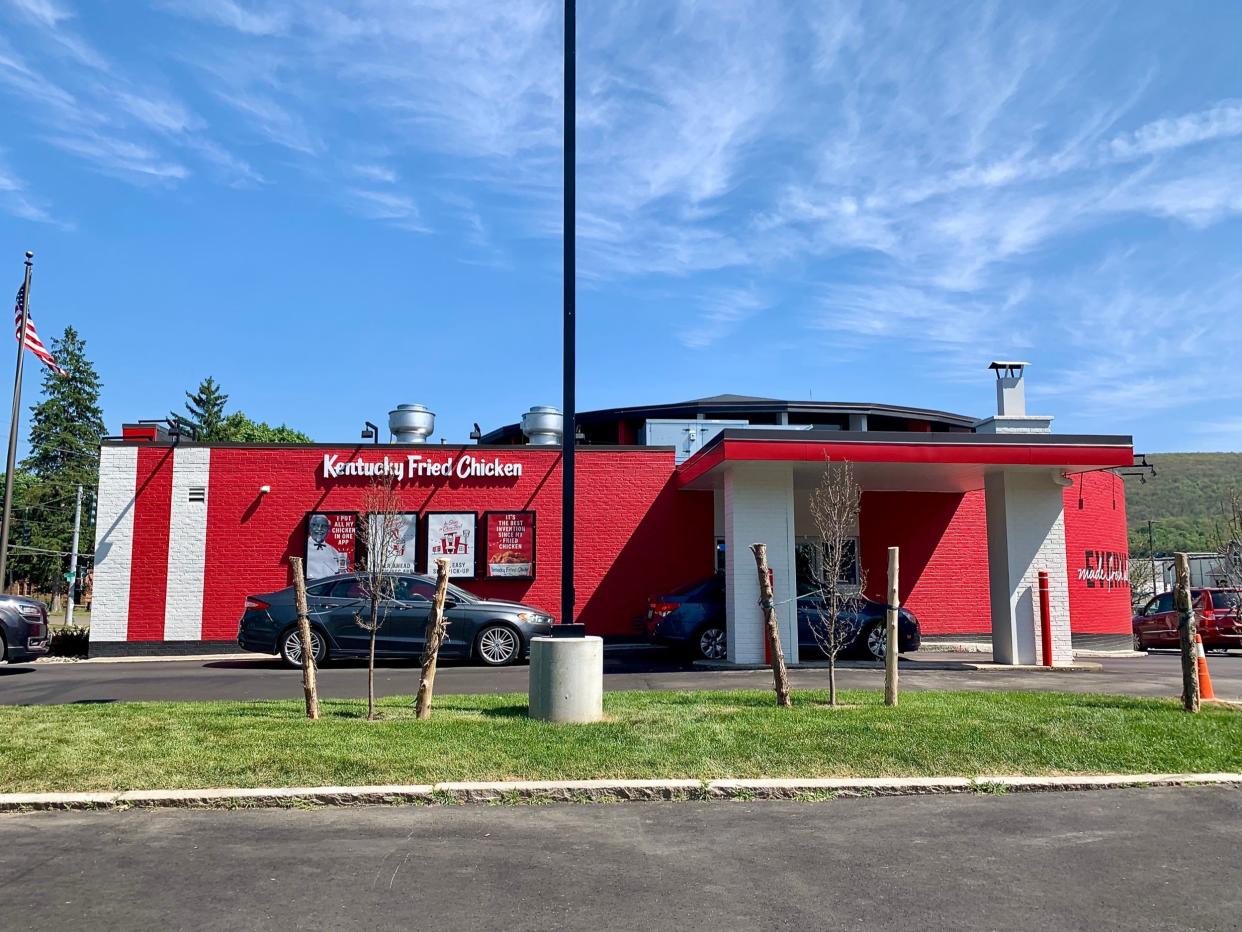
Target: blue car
692,619
23,629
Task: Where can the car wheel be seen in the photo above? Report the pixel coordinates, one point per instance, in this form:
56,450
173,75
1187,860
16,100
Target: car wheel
712,643
497,645
291,648
4,648
1139,645
875,641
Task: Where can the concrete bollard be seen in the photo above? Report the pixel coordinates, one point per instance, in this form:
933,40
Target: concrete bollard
567,679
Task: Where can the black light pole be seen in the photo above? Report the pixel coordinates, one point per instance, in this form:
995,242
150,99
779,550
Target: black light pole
567,627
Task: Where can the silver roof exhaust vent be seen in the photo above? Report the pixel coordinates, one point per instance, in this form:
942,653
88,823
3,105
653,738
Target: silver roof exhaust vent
1011,416
544,426
411,423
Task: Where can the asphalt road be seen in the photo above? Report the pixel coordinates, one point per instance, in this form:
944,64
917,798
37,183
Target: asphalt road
263,678
1136,860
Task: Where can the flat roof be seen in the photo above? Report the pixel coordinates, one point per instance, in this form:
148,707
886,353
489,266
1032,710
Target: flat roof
895,460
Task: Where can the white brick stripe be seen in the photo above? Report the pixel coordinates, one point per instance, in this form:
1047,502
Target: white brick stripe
187,546
758,508
114,543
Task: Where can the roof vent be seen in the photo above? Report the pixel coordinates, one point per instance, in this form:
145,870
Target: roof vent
411,423
543,425
1011,416
1010,392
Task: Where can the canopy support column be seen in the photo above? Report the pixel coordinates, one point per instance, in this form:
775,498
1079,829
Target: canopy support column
1026,534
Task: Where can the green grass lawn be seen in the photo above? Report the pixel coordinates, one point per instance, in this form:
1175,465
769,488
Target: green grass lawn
141,745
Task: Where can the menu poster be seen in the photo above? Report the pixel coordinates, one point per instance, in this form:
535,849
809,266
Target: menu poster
452,535
400,532
510,551
330,539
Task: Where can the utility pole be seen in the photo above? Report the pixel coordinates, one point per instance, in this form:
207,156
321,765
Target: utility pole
1151,551
72,575
7,519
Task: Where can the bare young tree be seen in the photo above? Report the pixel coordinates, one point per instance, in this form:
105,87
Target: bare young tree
836,571
437,627
1229,541
382,524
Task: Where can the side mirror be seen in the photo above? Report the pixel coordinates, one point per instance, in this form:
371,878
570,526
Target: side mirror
449,602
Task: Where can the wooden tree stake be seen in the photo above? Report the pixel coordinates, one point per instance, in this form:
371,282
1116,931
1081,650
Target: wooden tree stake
310,687
779,674
432,641
1186,631
890,632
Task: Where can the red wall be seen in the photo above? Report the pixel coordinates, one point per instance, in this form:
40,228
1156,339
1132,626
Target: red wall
944,556
1095,539
636,534
944,569
148,586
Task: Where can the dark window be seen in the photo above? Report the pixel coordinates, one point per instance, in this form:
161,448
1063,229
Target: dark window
1164,603
1226,599
349,589
809,564
702,589
319,589
409,589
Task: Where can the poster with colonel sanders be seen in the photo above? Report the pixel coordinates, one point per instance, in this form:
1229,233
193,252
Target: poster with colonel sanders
452,535
330,539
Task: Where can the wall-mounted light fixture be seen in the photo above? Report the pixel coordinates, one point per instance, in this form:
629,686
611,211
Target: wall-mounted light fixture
370,432
264,489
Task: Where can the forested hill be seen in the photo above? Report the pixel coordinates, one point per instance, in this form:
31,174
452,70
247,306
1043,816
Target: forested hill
1184,500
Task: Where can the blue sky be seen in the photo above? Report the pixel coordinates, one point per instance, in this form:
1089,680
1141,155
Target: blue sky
333,208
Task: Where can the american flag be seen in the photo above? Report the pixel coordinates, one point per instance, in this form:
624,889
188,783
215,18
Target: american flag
33,343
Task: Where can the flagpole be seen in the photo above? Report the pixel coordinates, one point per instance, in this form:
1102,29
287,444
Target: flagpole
11,467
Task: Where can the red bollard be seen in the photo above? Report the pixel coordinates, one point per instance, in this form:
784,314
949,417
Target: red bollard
1045,617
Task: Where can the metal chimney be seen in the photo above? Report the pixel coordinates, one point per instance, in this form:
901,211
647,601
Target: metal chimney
1010,392
544,426
411,423
1011,416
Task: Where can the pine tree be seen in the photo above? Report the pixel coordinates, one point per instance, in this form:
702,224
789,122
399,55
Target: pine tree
206,409
65,431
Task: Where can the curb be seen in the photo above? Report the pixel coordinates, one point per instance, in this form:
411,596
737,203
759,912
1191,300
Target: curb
910,666
518,792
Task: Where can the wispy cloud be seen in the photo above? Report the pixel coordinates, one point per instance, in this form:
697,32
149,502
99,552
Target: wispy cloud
380,174
17,201
397,209
720,313
253,19
1218,122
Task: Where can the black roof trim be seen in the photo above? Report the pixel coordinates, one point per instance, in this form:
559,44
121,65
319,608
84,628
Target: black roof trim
387,447
748,404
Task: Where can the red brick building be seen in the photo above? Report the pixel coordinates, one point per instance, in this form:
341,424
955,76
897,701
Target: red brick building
187,530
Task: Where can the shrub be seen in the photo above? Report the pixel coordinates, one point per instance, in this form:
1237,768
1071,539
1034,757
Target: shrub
70,641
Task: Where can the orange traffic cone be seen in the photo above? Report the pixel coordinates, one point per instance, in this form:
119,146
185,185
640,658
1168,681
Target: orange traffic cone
1205,678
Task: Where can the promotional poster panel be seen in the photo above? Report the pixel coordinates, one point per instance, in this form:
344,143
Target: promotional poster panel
452,535
330,542
510,548
400,531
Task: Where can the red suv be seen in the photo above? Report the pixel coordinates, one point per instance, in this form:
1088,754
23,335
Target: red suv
1219,615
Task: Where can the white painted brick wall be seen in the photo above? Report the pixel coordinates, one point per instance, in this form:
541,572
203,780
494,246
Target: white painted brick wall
759,508
1026,534
114,543
187,546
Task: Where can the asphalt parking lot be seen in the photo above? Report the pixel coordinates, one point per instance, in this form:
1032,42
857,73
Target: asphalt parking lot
1138,859
260,677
